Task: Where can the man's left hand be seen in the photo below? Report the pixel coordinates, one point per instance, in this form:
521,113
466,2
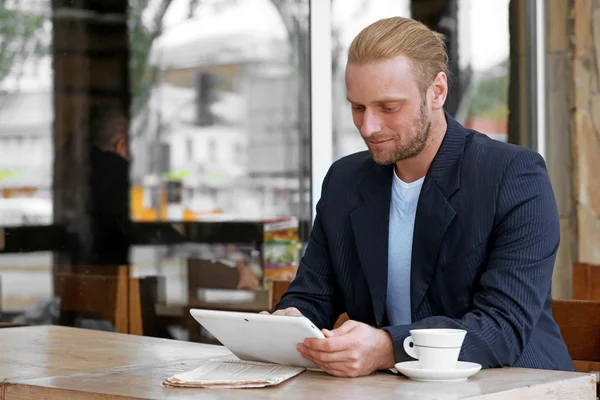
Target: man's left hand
354,349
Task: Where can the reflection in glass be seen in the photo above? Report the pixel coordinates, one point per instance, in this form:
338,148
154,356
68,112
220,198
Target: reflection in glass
220,110
26,113
219,132
485,103
26,295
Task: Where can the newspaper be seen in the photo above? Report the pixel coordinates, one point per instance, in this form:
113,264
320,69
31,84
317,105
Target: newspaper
229,373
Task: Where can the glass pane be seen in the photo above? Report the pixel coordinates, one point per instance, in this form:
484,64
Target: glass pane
220,111
349,17
26,295
26,113
219,133
26,164
485,64
479,80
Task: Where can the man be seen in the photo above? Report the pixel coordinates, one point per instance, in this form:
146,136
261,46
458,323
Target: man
435,226
111,225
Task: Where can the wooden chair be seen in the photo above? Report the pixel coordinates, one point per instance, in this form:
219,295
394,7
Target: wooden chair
206,275
279,289
5,324
579,323
108,293
586,281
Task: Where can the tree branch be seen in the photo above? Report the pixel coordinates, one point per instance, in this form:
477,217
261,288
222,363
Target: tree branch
157,25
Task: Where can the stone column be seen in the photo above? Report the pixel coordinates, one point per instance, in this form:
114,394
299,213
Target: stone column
521,124
573,137
585,129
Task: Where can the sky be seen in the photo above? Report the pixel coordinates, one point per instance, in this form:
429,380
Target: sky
489,38
484,37
483,25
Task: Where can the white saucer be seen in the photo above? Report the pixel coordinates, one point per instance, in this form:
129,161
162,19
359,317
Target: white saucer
463,370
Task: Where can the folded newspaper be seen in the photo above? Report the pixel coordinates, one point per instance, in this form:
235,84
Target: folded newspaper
233,373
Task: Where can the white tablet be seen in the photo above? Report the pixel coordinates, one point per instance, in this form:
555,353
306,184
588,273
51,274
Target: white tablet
260,337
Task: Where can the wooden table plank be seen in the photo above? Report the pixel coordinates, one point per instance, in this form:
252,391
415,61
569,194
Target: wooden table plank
144,382
43,351
67,363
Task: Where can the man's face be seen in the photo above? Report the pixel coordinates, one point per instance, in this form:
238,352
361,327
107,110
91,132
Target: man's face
388,109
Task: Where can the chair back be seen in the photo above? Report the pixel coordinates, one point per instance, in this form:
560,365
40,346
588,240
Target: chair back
586,281
579,323
108,293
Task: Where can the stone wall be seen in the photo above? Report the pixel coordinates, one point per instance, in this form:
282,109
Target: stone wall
573,141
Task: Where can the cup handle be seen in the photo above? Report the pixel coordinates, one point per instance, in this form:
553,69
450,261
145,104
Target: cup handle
409,347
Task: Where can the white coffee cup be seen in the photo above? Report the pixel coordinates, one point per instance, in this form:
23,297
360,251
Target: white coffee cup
435,348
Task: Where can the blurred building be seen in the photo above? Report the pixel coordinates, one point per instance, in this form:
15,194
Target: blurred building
225,114
27,155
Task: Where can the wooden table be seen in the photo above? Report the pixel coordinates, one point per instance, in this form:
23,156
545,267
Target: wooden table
67,363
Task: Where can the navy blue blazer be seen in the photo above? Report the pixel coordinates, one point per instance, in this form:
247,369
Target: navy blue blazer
485,240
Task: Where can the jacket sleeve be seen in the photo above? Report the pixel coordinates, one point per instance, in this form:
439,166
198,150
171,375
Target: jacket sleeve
516,281
314,290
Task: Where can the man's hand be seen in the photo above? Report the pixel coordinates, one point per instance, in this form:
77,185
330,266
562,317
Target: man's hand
354,349
247,279
293,311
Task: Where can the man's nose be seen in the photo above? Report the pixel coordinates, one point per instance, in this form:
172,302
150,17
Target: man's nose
370,124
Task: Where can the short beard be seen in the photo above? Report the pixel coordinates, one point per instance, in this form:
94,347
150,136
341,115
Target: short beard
416,145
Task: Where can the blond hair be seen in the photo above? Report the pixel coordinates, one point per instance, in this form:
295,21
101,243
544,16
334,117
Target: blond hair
397,36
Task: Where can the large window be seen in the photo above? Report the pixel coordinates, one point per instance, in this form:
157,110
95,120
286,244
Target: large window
26,113
484,100
348,19
27,152
220,107
479,62
235,110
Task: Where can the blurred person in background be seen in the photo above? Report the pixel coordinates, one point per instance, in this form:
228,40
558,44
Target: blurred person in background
110,158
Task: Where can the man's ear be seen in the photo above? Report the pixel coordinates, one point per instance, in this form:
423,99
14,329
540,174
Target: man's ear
121,148
440,90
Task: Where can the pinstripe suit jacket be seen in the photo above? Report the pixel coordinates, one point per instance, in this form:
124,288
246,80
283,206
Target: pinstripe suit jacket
485,240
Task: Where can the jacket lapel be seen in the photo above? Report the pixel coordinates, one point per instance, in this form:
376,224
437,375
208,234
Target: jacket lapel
370,220
434,215
370,223
434,212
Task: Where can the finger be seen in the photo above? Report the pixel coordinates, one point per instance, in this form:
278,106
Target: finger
327,333
265,312
346,327
328,357
292,311
331,344
335,368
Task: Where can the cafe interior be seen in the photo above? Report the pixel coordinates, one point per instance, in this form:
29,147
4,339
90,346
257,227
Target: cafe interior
232,111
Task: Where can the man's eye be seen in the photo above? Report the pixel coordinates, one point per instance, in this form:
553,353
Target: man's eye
389,109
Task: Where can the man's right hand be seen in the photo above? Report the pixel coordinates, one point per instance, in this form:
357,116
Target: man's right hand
291,311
